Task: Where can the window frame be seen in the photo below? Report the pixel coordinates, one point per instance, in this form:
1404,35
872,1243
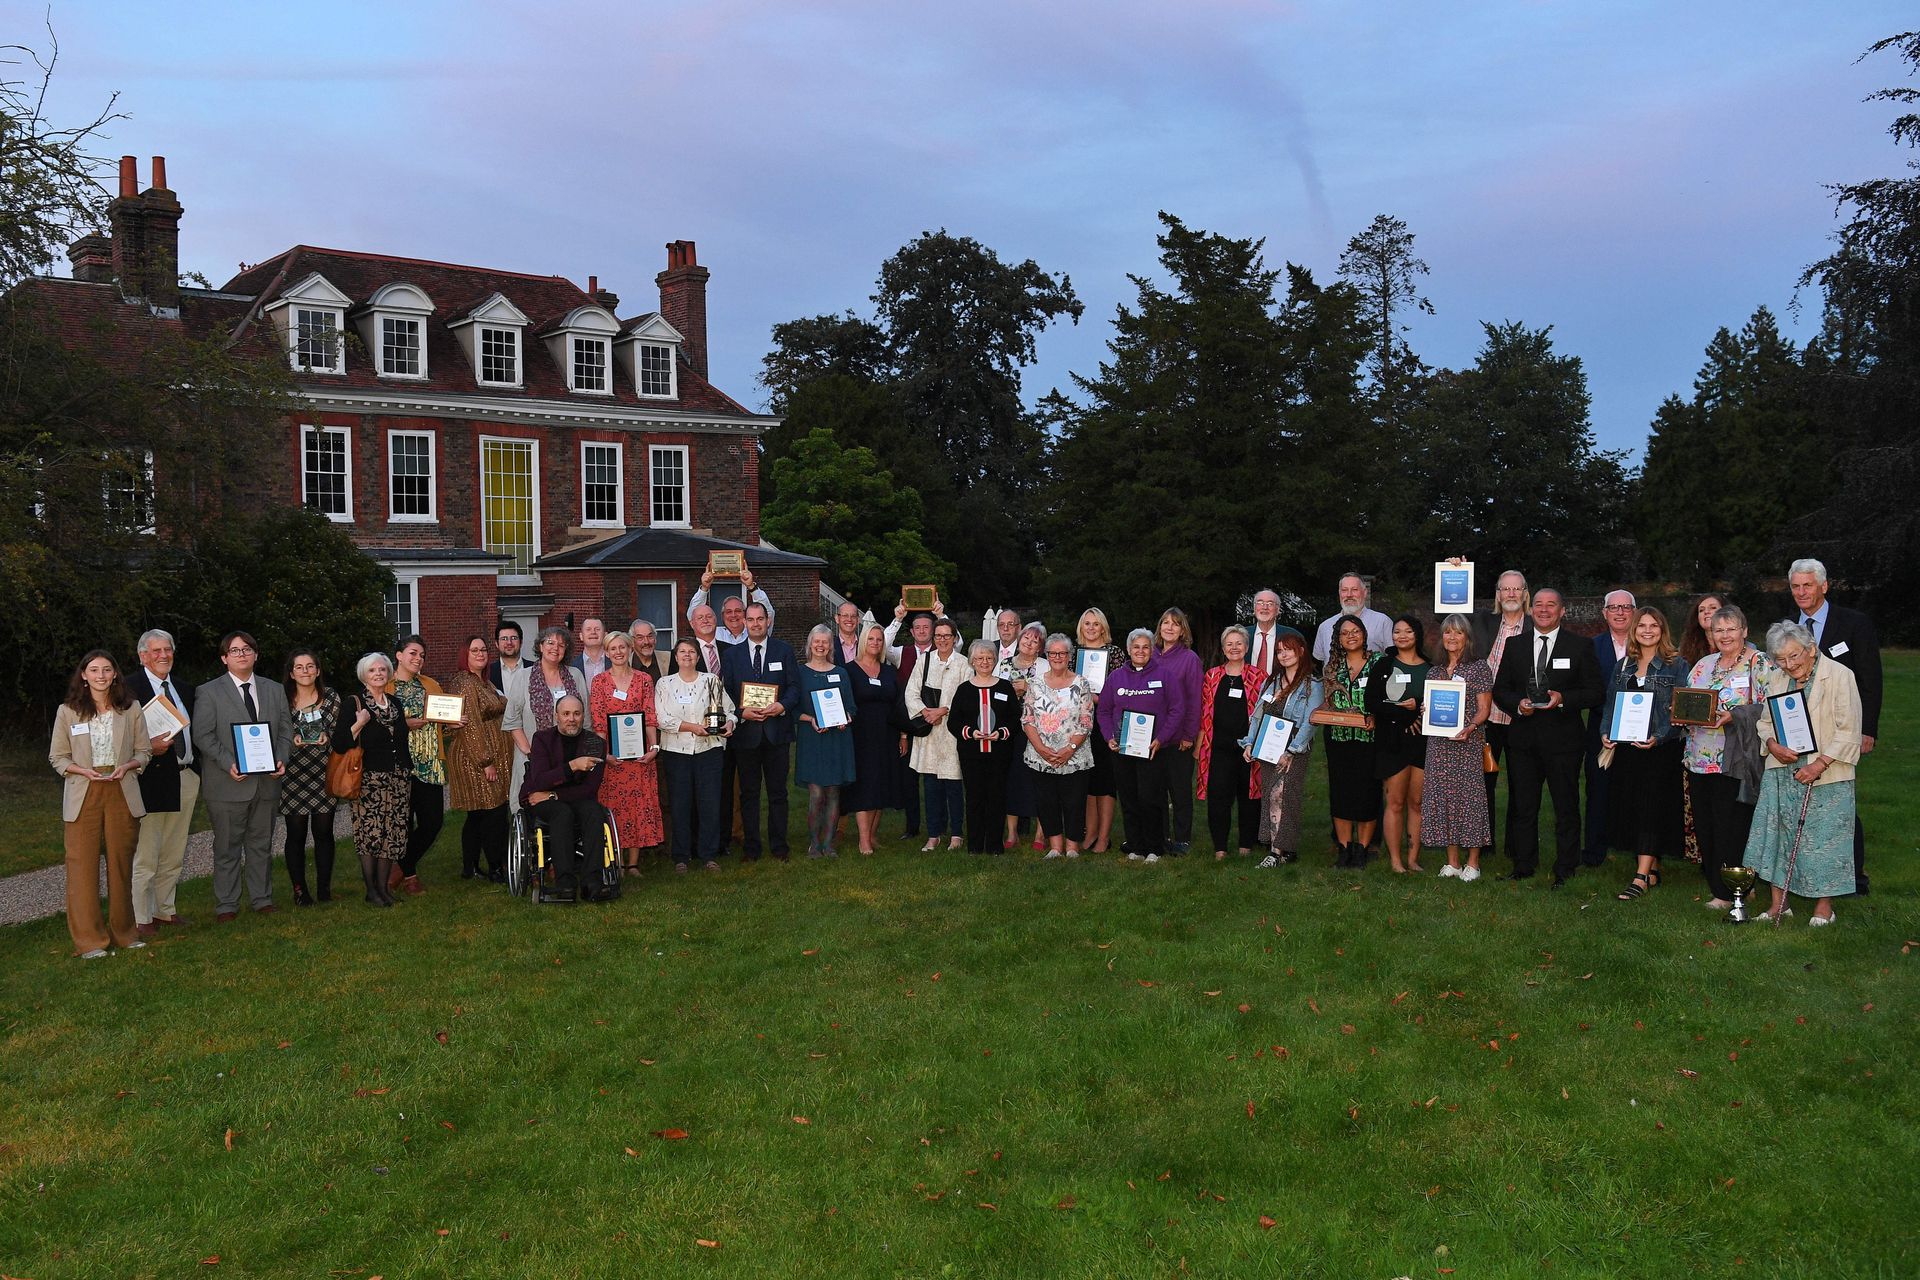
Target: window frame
686,486
640,349
662,642
294,338
409,583
619,520
138,464
346,472
508,573
381,321
511,332
575,343
432,515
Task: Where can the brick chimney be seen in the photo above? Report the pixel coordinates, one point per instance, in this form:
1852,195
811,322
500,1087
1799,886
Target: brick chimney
146,237
683,302
605,297
92,258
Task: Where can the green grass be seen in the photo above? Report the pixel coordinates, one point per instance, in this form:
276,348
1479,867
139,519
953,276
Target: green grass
1008,1067
30,797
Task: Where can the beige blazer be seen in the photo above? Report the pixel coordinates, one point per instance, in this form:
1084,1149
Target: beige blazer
130,743
1833,700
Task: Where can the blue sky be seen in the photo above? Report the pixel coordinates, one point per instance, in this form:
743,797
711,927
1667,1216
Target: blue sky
1634,174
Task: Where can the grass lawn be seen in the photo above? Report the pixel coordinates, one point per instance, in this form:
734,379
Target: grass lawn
923,1065
30,797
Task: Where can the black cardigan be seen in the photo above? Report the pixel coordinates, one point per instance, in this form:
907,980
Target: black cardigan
385,750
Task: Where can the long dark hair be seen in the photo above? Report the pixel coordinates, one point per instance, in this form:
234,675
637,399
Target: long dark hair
1695,643
1336,656
80,694
319,676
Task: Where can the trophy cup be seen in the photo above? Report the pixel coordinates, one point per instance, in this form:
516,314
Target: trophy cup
1741,880
716,718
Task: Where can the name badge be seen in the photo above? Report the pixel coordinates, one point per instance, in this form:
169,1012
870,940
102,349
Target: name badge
775,666
1737,682
1839,650
83,731
1563,664
998,697
874,681
833,677
1153,684
1236,693
621,694
1361,683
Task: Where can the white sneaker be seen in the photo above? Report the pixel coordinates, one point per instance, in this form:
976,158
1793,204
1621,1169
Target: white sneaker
1073,853
97,953
1153,857
1055,853
1819,922
1267,863
1766,917
1136,857
1469,874
1449,872
135,945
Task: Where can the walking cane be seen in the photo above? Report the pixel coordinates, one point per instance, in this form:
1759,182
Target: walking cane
1799,829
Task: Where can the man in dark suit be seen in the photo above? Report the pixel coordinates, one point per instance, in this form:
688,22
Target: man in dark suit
760,747
169,787
241,805
1609,650
507,639
1548,677
1848,637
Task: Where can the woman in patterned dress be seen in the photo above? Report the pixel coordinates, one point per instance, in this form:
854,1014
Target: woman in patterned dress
1057,717
1453,806
376,724
1293,694
630,788
304,799
478,763
1738,675
1353,792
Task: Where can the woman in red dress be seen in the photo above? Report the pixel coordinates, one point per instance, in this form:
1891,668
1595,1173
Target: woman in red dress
629,788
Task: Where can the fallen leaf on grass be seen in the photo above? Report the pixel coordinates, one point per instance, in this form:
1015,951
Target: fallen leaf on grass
811,951
1249,1108
1267,1224
1209,993
1867,1007
1280,1051
1246,1008
1163,1177
441,1231
671,1135
1691,1075
990,1208
1397,999
441,1036
1066,1202
1314,1005
708,1244
647,1062
284,1044
630,1151
801,1120
212,1260
448,1126
1346,1028
1143,982
229,1139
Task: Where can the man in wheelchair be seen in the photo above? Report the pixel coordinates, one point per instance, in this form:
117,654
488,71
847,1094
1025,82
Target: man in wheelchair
561,792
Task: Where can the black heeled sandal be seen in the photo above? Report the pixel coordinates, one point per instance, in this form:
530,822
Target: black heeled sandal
1641,882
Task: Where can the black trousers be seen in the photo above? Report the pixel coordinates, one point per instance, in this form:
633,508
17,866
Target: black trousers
984,775
427,813
1142,787
322,828
1527,771
1061,800
484,833
567,823
1720,825
1180,791
1227,772
907,783
1497,743
758,767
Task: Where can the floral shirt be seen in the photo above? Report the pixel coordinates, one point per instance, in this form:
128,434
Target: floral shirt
1059,716
429,765
1346,692
1746,683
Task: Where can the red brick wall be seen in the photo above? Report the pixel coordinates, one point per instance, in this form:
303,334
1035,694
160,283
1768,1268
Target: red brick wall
453,607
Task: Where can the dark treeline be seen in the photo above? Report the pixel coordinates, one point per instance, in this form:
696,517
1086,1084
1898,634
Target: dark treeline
1254,425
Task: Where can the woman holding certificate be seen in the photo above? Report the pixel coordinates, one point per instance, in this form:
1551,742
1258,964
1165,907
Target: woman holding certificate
100,745
630,780
1644,797
695,716
304,799
1396,686
1138,717
878,743
823,745
1095,656
427,798
479,761
1718,754
931,687
1353,792
1453,803
986,715
1057,718
1802,839
376,723
1285,710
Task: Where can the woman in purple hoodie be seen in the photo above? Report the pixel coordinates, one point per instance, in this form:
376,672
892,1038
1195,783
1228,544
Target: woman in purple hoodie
1182,671
1140,688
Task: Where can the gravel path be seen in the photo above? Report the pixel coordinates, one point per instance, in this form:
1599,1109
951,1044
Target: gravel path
34,895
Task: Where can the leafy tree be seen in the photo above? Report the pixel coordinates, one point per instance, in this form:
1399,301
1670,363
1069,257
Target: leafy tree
817,347
840,504
47,172
1380,263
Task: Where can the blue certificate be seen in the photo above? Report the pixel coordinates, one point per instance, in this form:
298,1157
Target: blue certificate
1452,587
253,748
1444,708
1271,739
829,709
627,736
1792,726
1136,734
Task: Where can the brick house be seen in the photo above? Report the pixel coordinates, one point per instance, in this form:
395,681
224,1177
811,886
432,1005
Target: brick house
507,444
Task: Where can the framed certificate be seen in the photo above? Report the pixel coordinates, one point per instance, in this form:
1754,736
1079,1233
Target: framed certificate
727,564
627,735
757,695
1632,716
1271,738
1091,666
162,717
920,596
1443,711
445,708
1695,706
1136,734
829,708
1792,726
1452,587
253,748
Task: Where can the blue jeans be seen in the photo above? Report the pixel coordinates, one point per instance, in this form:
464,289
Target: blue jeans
693,782
946,806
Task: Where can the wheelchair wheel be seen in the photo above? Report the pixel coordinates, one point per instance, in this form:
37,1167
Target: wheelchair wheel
519,856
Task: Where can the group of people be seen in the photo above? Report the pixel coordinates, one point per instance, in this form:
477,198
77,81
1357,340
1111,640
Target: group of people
679,752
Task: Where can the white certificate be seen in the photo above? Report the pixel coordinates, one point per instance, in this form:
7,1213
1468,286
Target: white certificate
1792,726
1091,666
627,735
1444,708
163,718
1136,734
1270,741
1452,588
829,708
253,748
1632,719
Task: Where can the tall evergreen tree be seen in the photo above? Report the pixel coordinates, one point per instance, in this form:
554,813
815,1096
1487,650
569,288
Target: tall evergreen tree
1380,263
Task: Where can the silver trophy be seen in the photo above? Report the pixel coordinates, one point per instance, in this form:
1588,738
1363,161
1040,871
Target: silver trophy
1741,880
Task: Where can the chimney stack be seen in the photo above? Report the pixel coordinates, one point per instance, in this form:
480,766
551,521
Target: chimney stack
146,237
92,258
683,302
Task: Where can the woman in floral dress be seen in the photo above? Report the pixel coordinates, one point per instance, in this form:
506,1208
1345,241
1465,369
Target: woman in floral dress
629,788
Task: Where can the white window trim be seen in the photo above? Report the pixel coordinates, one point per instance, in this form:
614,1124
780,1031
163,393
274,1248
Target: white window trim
673,615
686,486
347,434
144,458
339,365
380,319
619,484
529,578
433,478
411,583
673,370
519,354
606,364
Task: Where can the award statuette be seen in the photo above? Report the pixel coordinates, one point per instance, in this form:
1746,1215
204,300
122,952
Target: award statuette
1452,587
715,720
445,708
727,564
1741,880
920,597
1694,706
756,695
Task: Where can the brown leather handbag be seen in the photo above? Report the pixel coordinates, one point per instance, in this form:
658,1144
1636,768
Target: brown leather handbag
344,769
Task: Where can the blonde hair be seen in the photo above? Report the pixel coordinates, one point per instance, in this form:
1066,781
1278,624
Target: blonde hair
1664,648
1100,619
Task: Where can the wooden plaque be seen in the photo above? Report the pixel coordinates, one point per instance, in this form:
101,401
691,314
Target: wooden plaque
920,597
727,564
1695,706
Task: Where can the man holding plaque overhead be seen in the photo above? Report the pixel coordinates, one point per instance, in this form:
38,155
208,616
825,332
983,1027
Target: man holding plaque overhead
761,678
242,791
1548,678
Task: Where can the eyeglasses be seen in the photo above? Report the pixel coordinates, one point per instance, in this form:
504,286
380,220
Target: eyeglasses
1616,608
239,650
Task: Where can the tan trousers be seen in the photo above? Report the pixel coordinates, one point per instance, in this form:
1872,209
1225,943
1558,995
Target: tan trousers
104,818
162,851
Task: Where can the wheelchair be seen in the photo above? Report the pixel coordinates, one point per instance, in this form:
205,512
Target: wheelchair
530,871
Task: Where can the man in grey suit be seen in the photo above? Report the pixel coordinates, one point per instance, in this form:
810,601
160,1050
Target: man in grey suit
241,805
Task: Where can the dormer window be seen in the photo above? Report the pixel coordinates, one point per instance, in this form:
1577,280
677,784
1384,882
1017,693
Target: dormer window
500,357
581,343
590,365
650,355
490,334
316,341
399,347
393,324
655,361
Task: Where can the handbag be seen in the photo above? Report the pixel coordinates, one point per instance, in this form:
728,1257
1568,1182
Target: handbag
1487,763
920,726
344,769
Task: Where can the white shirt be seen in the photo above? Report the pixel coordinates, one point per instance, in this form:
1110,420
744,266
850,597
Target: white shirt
1549,639
1267,638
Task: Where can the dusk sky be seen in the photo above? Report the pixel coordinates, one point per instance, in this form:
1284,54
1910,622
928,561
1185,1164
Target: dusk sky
1634,174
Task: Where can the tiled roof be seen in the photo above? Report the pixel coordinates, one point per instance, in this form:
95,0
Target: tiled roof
670,548
93,318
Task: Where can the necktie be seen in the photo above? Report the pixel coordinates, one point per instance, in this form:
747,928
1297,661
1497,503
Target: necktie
713,659
1260,651
246,696
1540,668
757,668
185,740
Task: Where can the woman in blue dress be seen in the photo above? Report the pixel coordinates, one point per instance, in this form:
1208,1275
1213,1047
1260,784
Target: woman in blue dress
878,737
823,754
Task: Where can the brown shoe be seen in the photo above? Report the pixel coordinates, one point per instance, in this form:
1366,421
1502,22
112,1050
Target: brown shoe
267,910
172,922
412,885
148,930
394,877
226,917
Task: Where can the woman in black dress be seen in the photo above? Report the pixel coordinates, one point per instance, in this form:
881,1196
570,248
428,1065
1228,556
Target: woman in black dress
304,799
1395,684
986,716
879,741
1353,792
